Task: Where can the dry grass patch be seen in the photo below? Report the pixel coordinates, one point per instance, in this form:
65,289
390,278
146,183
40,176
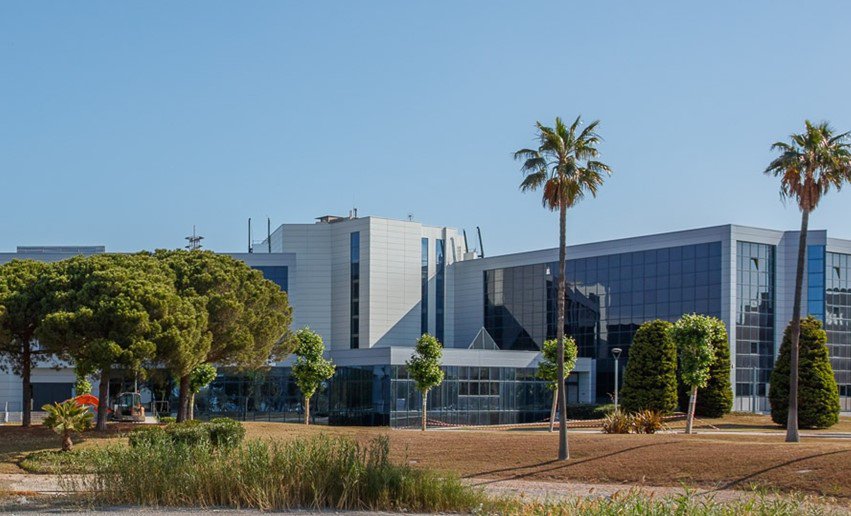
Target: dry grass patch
819,466
16,442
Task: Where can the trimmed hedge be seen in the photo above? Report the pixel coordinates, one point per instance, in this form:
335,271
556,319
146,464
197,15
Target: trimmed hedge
818,394
220,432
587,411
650,379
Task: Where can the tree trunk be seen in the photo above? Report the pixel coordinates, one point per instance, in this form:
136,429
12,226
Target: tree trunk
103,398
692,403
67,443
26,384
553,411
425,402
191,406
183,399
792,435
563,452
307,410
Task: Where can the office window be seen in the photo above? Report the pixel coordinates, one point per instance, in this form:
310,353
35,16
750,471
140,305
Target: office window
755,264
439,287
354,307
837,321
424,287
278,274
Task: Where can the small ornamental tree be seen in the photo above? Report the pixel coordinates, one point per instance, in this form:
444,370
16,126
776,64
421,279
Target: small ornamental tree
310,368
694,335
424,368
548,368
650,379
716,399
67,418
202,376
818,395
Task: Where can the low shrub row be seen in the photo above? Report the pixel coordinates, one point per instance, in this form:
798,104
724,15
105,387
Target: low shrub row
641,422
587,411
218,433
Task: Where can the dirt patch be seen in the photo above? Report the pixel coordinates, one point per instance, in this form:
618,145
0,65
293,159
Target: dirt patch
821,466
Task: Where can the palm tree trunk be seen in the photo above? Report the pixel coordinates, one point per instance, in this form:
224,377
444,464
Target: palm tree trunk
306,410
563,452
692,403
103,398
425,402
26,384
67,443
183,399
553,412
792,435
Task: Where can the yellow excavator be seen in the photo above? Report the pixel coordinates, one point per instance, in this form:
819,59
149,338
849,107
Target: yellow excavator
128,408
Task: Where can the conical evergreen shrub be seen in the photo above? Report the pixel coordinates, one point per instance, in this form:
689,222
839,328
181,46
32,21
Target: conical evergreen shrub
650,380
818,394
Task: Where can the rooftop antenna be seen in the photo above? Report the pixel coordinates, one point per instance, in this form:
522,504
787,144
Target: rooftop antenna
250,249
466,247
269,233
194,241
410,217
481,247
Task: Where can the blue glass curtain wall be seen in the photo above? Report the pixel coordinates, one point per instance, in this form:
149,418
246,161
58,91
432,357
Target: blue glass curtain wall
837,321
607,299
755,266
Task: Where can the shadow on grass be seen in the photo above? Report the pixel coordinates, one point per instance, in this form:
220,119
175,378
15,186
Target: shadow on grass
561,465
751,476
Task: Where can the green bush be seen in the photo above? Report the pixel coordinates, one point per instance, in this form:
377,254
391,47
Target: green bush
586,411
716,399
225,432
650,379
167,420
219,432
189,433
618,422
818,394
147,436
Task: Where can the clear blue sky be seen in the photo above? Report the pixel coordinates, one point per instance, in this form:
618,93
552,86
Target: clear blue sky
126,123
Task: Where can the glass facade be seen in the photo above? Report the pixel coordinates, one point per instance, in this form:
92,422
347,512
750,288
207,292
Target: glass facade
837,321
278,274
607,298
354,396
815,281
473,396
439,287
354,304
424,287
755,333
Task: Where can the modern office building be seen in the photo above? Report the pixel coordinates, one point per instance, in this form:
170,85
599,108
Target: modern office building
371,286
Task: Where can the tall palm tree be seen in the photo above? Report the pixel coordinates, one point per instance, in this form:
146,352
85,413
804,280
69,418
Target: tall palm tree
808,166
565,166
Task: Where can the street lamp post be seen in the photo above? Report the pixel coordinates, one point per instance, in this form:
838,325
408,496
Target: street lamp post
616,352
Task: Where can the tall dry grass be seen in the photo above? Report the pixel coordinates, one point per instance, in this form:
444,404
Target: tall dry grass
316,473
